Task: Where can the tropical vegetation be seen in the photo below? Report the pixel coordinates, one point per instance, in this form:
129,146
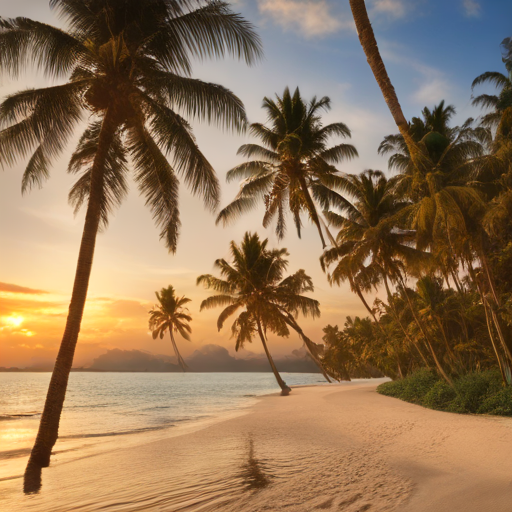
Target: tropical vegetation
294,168
170,315
126,70
253,286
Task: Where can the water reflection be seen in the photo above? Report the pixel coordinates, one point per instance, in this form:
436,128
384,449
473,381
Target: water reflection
253,472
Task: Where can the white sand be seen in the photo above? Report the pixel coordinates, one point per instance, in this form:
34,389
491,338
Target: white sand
325,448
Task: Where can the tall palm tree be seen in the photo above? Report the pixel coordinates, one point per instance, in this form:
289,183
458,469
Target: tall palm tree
253,285
371,242
171,315
127,67
371,50
294,169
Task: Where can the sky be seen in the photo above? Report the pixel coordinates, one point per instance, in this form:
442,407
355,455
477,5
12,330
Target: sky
433,49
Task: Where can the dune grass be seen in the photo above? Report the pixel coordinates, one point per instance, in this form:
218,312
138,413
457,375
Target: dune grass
474,393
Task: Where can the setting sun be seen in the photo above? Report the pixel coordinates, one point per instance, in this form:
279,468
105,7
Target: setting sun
13,320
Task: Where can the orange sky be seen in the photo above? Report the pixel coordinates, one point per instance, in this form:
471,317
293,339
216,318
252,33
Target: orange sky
39,236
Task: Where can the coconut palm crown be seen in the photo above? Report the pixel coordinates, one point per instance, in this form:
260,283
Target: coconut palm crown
171,315
294,167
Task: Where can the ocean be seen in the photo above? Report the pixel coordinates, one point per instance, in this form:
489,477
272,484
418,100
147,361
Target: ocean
100,407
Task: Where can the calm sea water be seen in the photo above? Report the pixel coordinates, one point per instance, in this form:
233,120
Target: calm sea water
100,406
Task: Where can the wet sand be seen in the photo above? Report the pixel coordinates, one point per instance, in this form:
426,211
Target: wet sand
324,448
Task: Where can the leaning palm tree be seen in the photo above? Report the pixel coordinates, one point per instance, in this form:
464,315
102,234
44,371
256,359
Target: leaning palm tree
371,50
294,169
253,284
171,315
127,67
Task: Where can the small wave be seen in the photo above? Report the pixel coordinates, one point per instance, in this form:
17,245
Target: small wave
118,433
4,417
249,396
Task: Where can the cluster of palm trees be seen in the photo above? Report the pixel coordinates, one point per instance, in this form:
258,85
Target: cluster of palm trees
253,287
443,219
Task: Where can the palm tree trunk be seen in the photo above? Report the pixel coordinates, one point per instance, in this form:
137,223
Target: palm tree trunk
288,318
50,418
397,318
363,300
285,390
426,336
503,361
312,209
369,44
181,361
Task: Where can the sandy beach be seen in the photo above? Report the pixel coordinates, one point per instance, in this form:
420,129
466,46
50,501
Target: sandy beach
325,448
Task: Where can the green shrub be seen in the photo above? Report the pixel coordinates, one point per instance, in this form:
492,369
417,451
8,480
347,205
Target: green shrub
473,389
499,403
477,392
411,389
439,397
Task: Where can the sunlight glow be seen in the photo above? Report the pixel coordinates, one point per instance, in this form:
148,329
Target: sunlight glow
13,320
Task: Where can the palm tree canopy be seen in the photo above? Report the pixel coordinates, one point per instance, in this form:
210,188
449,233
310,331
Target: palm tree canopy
132,61
370,245
443,204
293,167
170,314
254,283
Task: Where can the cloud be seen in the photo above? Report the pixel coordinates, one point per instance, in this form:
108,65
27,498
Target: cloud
434,86
312,18
393,8
471,8
14,288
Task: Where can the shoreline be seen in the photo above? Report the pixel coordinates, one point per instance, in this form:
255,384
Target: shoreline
71,448
326,448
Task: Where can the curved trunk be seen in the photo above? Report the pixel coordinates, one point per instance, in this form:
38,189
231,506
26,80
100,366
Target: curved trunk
312,209
50,418
371,50
397,318
363,300
309,344
285,390
181,361
426,336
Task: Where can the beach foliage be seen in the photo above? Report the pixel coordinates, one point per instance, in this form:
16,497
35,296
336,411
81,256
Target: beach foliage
478,392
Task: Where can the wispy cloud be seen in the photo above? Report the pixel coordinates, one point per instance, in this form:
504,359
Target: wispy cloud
311,18
434,85
14,288
472,8
393,8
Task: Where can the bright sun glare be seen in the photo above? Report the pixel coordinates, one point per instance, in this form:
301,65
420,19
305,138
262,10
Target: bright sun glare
13,320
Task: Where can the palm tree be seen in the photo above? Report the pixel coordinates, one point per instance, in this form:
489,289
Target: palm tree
371,243
501,102
127,66
171,315
294,170
253,285
371,50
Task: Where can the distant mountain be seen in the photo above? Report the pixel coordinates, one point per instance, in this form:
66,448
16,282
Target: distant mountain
209,358
117,360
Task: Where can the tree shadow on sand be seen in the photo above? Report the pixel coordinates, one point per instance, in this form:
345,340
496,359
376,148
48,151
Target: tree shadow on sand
253,473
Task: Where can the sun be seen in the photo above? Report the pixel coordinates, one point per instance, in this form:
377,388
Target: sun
13,320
